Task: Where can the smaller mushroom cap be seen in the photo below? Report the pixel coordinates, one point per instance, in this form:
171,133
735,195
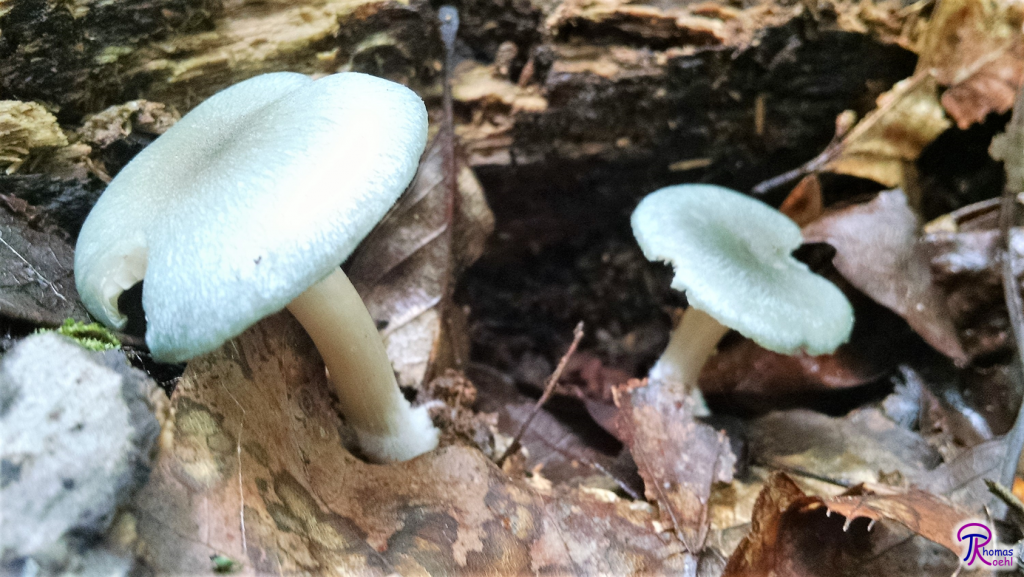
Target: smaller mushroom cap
731,255
258,193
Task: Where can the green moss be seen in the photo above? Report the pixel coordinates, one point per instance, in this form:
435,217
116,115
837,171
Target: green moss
92,336
224,564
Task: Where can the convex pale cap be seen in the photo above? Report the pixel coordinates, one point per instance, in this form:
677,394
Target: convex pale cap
731,255
258,193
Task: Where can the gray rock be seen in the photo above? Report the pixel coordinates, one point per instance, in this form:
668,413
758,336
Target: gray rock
76,434
73,560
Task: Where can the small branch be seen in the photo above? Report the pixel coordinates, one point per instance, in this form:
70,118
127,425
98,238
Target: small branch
549,388
1007,147
841,140
448,16
449,23
1005,495
798,472
238,456
45,280
598,467
797,173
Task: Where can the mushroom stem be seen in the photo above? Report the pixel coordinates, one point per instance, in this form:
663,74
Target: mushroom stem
690,345
387,426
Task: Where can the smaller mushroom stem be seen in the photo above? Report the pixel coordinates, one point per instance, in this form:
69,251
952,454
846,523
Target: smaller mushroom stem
388,427
690,345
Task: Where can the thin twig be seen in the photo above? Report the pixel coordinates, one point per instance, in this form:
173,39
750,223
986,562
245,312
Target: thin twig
1008,147
1005,495
549,388
449,21
797,471
33,269
597,466
449,18
838,145
238,456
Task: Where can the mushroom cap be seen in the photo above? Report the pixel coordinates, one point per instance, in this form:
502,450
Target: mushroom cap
258,193
731,255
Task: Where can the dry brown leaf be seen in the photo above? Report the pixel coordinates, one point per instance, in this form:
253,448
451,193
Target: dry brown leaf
255,469
877,251
591,532
862,447
37,280
925,514
795,535
962,480
758,553
804,203
732,509
975,47
405,268
678,457
884,145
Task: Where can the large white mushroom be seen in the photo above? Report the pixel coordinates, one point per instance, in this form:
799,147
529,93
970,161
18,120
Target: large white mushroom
248,205
732,257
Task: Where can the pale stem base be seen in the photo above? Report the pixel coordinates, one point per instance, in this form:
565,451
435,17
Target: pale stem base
387,426
690,345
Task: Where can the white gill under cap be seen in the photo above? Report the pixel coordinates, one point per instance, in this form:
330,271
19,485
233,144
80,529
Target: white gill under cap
258,193
731,255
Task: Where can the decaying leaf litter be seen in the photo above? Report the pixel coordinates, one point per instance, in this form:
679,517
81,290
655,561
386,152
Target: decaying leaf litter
865,459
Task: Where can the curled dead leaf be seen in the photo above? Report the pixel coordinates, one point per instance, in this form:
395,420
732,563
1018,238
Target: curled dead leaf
925,514
804,203
877,251
885,143
758,553
796,534
973,47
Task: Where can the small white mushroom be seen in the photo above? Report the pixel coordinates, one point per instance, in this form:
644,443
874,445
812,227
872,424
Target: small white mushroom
248,205
732,257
